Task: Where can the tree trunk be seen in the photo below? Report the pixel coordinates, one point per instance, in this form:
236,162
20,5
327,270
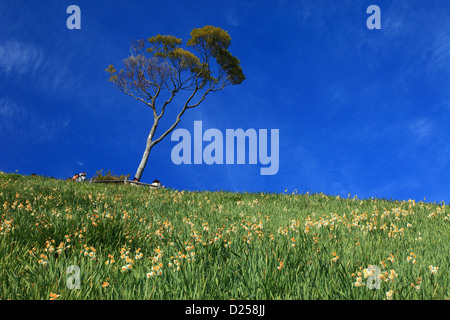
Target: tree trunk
144,160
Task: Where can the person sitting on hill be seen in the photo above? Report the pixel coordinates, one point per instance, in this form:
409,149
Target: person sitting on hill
75,177
82,177
156,184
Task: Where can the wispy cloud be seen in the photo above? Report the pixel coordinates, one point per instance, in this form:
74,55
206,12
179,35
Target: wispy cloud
19,57
27,124
441,50
421,128
9,110
338,94
232,19
6,108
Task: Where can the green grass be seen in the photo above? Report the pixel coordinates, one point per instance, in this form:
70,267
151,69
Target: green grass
214,245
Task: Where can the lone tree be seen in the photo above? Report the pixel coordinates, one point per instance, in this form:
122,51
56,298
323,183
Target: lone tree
160,68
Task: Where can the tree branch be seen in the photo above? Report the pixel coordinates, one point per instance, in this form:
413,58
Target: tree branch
150,104
185,107
166,103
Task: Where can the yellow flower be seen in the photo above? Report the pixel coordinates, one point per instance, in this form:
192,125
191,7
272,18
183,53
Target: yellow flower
392,275
433,270
54,296
359,282
281,265
368,273
336,257
390,294
126,268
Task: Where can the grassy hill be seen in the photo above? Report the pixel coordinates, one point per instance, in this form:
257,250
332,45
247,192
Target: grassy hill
132,242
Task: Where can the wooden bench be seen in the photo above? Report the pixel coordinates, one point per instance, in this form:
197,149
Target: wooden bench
126,181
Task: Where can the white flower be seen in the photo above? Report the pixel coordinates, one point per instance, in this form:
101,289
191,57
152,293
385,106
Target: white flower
390,295
432,269
126,268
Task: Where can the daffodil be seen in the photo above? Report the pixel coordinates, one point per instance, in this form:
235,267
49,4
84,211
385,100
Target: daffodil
390,295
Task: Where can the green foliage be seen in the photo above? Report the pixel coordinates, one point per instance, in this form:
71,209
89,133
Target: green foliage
209,38
111,71
215,41
163,46
165,60
104,176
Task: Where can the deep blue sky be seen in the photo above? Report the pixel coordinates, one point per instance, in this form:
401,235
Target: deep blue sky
359,111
